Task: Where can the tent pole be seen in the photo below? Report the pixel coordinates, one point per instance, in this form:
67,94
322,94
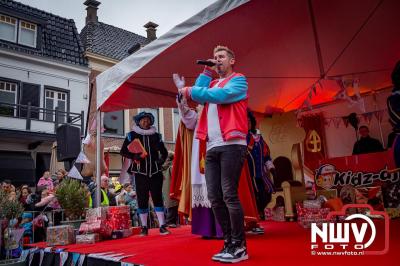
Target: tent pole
98,158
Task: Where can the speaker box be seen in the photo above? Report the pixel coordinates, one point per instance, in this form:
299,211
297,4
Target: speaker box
68,142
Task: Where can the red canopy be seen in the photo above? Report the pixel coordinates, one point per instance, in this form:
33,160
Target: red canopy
282,47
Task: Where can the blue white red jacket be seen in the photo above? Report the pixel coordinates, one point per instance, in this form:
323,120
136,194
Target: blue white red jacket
231,97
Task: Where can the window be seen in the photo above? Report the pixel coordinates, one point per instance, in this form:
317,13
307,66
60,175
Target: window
177,119
29,93
154,112
8,98
8,28
114,123
55,99
27,33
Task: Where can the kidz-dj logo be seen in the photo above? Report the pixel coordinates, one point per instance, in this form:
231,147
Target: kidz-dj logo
358,234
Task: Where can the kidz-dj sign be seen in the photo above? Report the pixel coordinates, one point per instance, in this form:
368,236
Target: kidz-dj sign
326,176
357,170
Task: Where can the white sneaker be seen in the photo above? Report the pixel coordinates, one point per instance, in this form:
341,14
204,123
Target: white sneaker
235,254
219,255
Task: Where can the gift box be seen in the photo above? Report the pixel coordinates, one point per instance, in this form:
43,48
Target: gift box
116,234
312,204
60,235
307,216
136,230
94,214
278,214
100,227
114,210
119,217
87,239
120,222
268,214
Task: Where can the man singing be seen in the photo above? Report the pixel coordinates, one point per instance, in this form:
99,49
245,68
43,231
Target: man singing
223,124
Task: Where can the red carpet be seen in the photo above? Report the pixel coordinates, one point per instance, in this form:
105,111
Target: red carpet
284,243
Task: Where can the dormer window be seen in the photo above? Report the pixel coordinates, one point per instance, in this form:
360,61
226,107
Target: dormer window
8,28
18,31
27,33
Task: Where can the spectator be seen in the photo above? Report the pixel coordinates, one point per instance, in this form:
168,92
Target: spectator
366,144
12,195
130,199
25,193
26,223
60,175
45,198
6,186
46,181
107,198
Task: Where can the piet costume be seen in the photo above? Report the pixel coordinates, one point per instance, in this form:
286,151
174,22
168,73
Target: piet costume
146,154
260,165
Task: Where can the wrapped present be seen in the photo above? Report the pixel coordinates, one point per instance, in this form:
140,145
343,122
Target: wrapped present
94,214
60,235
278,214
312,204
136,230
100,227
268,214
116,234
87,238
307,216
114,210
120,222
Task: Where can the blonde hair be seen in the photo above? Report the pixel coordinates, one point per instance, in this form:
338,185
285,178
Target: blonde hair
226,49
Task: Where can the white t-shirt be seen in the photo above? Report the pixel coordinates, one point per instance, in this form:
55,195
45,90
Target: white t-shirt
214,128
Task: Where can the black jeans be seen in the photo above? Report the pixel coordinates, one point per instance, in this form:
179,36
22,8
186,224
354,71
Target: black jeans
223,169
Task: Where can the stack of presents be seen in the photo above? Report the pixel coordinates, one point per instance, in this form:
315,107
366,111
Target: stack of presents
316,209
101,223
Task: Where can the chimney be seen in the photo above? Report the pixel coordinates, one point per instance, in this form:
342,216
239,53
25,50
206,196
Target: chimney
92,6
151,30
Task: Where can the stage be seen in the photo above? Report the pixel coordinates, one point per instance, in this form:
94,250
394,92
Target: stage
284,243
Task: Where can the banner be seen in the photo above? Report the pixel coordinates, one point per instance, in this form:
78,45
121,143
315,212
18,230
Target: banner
314,142
358,170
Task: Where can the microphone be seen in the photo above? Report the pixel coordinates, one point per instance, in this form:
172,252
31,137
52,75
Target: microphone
205,62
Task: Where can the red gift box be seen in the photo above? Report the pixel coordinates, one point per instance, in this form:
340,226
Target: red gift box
113,210
307,216
119,223
100,227
268,214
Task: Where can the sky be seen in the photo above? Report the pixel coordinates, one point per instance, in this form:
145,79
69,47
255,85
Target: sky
126,14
